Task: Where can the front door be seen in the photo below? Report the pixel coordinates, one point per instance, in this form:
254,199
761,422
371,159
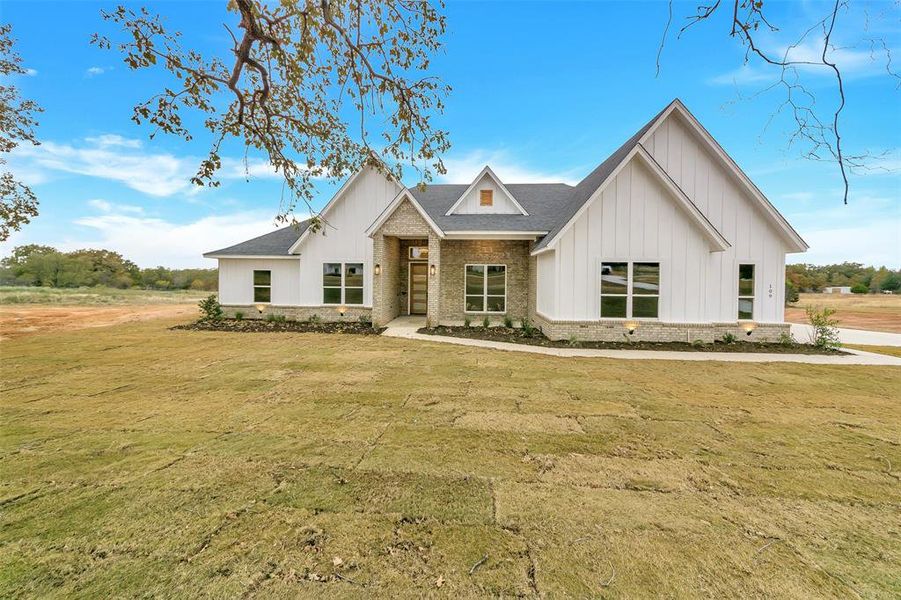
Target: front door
419,288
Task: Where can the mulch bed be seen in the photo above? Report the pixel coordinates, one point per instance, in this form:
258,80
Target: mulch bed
516,336
264,326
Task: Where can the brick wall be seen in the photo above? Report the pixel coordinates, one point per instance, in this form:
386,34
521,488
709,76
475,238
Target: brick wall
298,313
455,254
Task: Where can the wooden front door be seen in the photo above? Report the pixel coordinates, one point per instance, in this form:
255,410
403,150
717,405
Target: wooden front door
419,288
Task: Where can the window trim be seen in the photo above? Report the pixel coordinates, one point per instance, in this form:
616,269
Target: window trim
738,296
253,279
485,293
343,287
629,283
410,253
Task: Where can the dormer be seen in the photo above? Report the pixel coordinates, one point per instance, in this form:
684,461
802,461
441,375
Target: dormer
486,196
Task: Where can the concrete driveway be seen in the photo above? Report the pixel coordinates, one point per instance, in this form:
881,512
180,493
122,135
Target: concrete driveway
803,333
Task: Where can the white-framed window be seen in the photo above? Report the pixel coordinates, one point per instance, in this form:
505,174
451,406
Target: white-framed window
485,288
262,287
419,252
630,290
342,283
746,292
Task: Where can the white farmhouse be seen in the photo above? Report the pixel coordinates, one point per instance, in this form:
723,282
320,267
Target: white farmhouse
667,239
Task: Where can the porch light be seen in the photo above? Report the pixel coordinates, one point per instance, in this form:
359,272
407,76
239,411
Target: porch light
260,308
378,269
432,270
342,309
630,326
749,328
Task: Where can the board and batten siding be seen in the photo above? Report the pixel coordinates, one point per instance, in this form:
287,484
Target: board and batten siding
343,235
635,219
236,280
501,204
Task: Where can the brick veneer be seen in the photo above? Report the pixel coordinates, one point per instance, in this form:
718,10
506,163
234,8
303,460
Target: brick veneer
456,254
298,313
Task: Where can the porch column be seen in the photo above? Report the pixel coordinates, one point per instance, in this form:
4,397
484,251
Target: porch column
378,281
433,312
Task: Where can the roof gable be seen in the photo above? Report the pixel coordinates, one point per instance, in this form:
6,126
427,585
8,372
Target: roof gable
399,200
503,203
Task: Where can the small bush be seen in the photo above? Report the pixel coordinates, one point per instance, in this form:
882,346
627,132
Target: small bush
467,321
276,318
210,309
314,320
699,343
528,330
859,288
573,341
825,327
239,316
728,338
787,339
486,323
508,322
365,320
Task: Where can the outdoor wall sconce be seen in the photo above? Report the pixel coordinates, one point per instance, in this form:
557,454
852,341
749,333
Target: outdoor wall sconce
630,326
378,269
342,309
260,308
432,270
749,328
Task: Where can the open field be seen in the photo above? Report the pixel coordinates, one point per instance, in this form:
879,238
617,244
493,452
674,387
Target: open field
29,310
142,461
874,312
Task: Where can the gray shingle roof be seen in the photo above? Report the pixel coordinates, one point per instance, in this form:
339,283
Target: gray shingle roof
276,243
541,200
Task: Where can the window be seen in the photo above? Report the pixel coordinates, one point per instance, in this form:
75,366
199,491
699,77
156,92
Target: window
419,252
486,288
745,292
262,286
486,197
630,290
342,283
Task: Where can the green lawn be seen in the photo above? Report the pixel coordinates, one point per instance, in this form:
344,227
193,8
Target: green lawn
138,461
95,296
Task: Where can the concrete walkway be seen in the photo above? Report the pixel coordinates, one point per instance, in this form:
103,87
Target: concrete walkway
406,328
803,333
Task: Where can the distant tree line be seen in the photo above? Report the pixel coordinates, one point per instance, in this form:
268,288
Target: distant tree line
813,278
44,266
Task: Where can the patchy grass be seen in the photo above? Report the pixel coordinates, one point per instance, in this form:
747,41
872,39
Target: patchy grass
94,296
140,461
890,350
873,312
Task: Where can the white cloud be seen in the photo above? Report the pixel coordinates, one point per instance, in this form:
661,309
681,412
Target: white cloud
876,244
150,242
464,168
31,72
94,71
109,207
745,75
125,160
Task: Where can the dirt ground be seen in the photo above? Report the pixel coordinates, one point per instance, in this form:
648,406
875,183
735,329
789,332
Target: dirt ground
27,319
854,311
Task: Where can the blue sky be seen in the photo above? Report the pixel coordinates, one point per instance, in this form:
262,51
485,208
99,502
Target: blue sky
541,92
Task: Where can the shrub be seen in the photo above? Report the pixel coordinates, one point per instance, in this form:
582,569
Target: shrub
573,341
314,320
508,322
467,321
787,339
210,309
728,338
825,327
791,293
699,343
859,288
239,316
365,320
528,329
276,318
486,323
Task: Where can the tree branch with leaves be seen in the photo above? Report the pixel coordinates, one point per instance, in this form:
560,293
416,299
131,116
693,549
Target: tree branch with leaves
320,88
18,119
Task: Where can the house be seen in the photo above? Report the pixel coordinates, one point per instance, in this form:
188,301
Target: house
667,239
838,289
